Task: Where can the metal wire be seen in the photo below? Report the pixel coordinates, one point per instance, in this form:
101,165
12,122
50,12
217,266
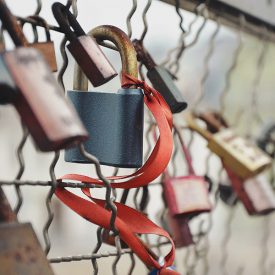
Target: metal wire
49,204
255,86
129,17
234,64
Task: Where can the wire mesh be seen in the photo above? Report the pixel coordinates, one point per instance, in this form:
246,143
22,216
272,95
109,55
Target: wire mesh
197,258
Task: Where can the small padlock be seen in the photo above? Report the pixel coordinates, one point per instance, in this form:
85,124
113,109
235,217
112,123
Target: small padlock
186,195
242,156
84,48
114,120
255,193
161,79
47,47
51,120
20,251
178,228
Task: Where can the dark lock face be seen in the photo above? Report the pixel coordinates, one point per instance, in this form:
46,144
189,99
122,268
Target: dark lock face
8,90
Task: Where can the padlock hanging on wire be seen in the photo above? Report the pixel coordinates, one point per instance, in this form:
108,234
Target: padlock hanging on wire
161,79
83,47
242,156
186,195
27,82
114,120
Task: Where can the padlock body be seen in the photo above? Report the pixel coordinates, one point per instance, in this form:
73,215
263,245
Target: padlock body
51,120
255,193
179,229
164,84
48,51
92,60
243,157
115,124
260,195
187,195
20,251
8,90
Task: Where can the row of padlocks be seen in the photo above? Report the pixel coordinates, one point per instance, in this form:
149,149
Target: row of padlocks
100,128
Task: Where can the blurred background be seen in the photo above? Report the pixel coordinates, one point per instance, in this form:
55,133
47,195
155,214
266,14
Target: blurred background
221,69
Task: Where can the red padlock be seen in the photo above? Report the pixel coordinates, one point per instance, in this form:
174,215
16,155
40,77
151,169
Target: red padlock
255,193
186,195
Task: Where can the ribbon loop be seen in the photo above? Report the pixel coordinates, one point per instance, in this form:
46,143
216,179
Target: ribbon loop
129,221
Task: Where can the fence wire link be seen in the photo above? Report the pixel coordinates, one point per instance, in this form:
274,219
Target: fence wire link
200,251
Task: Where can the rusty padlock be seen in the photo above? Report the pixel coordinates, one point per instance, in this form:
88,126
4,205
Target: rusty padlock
32,89
242,156
46,48
255,193
186,195
20,250
161,79
114,120
83,47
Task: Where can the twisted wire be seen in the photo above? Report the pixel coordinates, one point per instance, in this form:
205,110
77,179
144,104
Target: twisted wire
38,7
144,19
225,241
201,10
109,202
49,204
21,170
177,7
255,86
168,57
129,17
206,60
264,244
234,64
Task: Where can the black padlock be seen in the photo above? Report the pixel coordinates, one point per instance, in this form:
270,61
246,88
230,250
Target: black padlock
27,83
7,86
114,120
161,79
84,48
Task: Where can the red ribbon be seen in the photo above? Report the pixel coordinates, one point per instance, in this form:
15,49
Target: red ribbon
129,221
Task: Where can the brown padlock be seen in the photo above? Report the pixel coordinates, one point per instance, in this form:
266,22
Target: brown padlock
32,89
20,251
242,156
47,47
186,195
84,48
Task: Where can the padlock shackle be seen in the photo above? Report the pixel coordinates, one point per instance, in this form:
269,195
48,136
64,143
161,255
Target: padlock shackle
124,46
186,153
193,125
67,21
143,56
214,120
9,22
44,24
